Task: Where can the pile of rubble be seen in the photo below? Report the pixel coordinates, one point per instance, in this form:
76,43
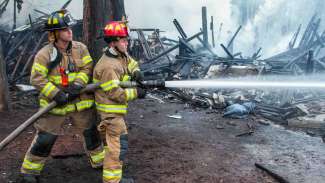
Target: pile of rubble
306,56
303,57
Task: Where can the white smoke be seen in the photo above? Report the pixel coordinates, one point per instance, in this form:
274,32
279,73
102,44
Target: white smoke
275,23
160,14
271,28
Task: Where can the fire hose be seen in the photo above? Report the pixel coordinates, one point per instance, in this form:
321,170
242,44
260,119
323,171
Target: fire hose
88,88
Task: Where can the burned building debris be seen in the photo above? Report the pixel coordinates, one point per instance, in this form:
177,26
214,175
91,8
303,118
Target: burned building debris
198,56
193,57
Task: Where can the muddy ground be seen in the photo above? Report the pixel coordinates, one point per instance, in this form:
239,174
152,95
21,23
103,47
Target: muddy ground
200,147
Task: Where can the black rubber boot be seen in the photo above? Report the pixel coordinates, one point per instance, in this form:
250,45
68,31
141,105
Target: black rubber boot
25,178
127,180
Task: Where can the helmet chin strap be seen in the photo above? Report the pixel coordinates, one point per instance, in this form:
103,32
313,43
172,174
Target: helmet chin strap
122,53
115,51
55,36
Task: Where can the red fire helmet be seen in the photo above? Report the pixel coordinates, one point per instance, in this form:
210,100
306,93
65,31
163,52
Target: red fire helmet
116,29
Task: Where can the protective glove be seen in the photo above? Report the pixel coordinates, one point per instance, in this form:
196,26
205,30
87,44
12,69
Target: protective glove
74,91
137,76
141,92
60,98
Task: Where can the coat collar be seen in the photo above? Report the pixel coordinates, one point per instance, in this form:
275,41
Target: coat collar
111,52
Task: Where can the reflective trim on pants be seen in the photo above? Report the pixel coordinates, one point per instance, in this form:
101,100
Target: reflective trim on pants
28,165
119,109
110,175
99,157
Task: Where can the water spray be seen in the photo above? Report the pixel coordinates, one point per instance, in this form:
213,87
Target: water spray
242,83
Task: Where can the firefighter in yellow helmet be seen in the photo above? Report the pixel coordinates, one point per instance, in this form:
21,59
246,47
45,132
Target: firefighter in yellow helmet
112,101
61,69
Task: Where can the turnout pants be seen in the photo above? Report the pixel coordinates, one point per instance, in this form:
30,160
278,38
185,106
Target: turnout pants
114,131
49,127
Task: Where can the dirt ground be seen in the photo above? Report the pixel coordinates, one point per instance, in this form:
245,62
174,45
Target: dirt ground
200,147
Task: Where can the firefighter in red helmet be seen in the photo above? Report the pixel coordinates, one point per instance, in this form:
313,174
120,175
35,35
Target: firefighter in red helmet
111,100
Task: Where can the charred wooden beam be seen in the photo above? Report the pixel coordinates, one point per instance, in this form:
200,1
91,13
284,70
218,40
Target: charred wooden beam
168,39
212,32
294,38
36,48
145,29
184,44
180,29
227,51
144,44
310,62
174,47
21,40
32,26
220,30
15,15
205,26
306,34
41,12
272,173
208,48
162,46
20,58
231,42
313,33
297,58
320,63
256,55
3,6
65,5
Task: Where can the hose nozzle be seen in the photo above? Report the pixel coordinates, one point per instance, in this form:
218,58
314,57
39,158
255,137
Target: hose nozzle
145,84
159,83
